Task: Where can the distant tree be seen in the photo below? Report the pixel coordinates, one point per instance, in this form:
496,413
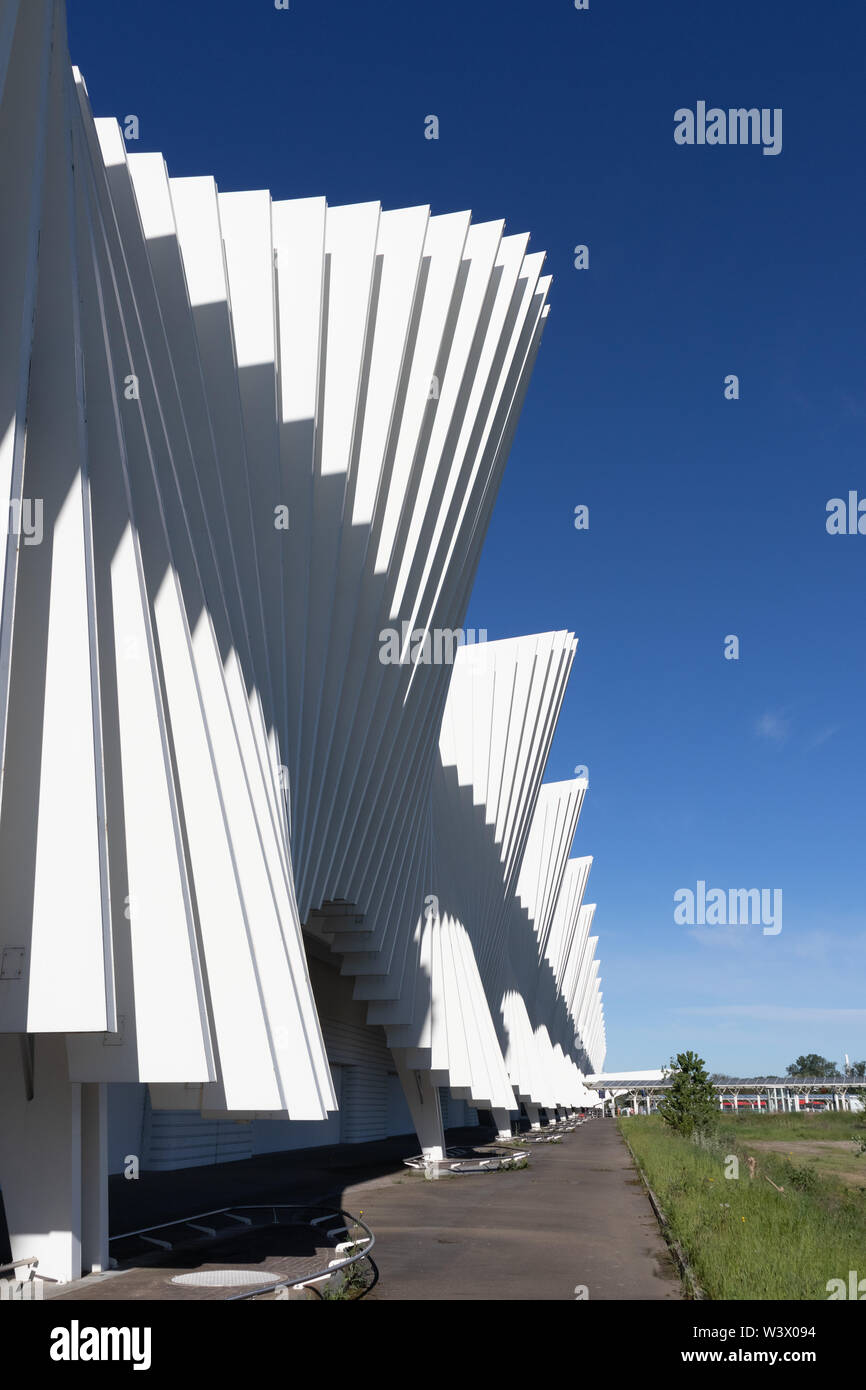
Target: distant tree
858,1069
691,1104
813,1065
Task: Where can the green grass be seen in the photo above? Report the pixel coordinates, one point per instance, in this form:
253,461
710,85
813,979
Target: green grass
830,1124
743,1239
793,1133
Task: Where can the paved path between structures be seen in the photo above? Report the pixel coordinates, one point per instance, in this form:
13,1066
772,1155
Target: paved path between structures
577,1216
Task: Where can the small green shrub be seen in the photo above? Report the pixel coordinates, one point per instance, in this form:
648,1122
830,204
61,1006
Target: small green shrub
802,1179
691,1105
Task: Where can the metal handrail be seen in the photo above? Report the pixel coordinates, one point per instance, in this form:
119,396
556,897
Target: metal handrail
182,1220
28,1260
33,1261
274,1207
333,1268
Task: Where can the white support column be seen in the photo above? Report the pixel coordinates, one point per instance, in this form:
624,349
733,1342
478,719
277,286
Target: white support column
422,1097
94,1177
40,1155
532,1113
502,1121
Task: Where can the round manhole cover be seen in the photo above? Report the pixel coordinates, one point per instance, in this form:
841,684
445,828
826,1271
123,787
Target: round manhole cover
224,1278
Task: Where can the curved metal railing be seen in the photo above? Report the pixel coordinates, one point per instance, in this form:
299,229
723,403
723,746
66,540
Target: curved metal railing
287,1281
459,1159
333,1268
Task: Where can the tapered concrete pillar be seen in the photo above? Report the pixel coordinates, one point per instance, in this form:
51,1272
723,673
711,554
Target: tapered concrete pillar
502,1121
422,1097
532,1115
40,1153
94,1178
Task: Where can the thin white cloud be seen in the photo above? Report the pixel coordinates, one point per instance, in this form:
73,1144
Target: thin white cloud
824,735
775,1013
774,726
734,938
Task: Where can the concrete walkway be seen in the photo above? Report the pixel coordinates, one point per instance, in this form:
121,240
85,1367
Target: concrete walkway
578,1216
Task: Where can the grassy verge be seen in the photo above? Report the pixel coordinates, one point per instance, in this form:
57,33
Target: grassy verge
829,1125
743,1238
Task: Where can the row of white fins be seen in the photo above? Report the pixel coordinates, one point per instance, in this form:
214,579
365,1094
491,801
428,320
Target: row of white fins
242,442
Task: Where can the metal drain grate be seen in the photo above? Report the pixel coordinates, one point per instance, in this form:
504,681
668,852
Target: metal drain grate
224,1278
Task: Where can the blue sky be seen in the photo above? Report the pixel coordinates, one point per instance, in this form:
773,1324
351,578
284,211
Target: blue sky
707,516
